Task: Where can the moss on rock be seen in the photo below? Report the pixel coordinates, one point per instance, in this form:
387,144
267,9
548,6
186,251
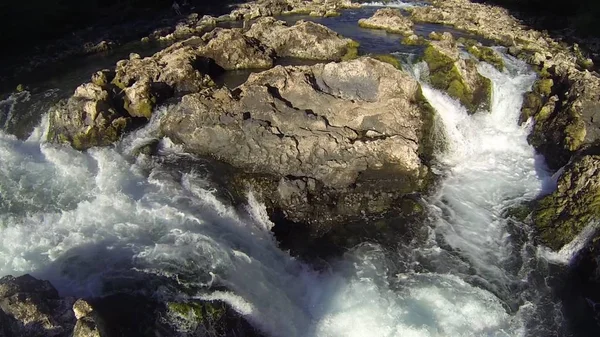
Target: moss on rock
444,74
562,215
351,51
486,54
389,58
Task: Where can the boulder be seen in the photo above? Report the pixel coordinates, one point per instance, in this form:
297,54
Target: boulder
389,19
31,307
560,216
88,118
323,144
566,113
232,50
486,54
305,39
457,76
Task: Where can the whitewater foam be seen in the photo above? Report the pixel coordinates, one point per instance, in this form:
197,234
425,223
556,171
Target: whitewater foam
90,222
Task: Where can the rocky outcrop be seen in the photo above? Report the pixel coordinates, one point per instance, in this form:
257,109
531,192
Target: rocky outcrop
232,50
566,116
33,308
457,76
565,109
305,39
483,53
325,143
116,101
263,8
562,215
29,307
389,19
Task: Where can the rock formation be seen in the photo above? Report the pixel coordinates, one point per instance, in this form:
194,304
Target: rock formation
457,76
389,19
332,142
305,39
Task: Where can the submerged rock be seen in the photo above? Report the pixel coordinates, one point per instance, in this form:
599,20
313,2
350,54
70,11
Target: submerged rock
305,39
323,144
389,19
562,215
457,76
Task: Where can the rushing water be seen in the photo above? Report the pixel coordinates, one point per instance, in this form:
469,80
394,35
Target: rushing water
94,222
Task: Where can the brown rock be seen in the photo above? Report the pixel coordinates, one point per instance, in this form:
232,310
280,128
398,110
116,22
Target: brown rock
305,39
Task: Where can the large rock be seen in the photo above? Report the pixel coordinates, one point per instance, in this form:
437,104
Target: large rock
457,76
305,39
390,20
566,113
31,307
328,142
231,50
562,215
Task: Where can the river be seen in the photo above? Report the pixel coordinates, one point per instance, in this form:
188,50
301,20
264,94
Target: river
94,222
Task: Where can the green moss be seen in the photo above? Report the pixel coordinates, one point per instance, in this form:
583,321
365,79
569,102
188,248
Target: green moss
20,88
575,134
118,83
413,41
562,215
201,312
436,60
486,54
435,36
332,14
543,113
431,140
144,108
388,58
457,89
543,86
351,51
467,42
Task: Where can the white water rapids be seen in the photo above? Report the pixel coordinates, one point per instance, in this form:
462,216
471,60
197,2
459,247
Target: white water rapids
86,221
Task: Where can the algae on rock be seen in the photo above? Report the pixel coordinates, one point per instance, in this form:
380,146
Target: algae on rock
458,77
562,215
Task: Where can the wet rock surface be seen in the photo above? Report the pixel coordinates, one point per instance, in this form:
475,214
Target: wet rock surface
457,76
575,204
261,8
322,144
31,307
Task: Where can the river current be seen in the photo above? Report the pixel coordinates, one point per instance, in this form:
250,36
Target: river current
92,222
